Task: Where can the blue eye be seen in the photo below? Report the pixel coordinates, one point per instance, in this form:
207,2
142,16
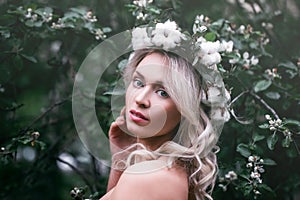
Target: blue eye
162,93
137,83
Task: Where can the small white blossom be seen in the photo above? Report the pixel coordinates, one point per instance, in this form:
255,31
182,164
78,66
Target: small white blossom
241,29
140,38
255,175
231,175
211,59
235,59
226,46
167,35
199,19
208,47
268,117
251,159
249,165
142,3
254,60
224,187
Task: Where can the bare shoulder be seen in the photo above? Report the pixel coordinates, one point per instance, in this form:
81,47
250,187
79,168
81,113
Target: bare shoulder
149,181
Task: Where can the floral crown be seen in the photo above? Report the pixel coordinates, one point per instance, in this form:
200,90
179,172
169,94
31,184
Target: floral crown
205,55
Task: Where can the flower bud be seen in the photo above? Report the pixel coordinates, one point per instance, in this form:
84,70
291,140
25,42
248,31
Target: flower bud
268,117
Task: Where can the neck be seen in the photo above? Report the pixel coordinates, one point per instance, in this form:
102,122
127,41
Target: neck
155,142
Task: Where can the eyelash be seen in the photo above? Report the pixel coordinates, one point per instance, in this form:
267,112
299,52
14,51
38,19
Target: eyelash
138,84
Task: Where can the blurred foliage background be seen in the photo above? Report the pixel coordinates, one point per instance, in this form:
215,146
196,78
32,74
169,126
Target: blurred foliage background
44,42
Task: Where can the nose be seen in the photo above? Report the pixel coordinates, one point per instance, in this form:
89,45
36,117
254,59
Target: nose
142,98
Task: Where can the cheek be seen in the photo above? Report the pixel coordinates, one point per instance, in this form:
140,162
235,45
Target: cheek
129,95
173,116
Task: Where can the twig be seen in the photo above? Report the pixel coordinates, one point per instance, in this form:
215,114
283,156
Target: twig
265,104
238,96
45,113
14,108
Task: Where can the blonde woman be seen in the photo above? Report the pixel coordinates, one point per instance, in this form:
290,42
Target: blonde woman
163,143
179,163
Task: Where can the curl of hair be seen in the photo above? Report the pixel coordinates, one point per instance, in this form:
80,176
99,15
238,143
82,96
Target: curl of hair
195,140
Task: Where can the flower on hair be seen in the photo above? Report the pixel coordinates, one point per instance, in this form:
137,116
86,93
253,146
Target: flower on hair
209,52
140,38
165,35
142,3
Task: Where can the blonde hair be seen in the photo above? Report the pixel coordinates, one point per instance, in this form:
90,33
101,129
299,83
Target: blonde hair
195,140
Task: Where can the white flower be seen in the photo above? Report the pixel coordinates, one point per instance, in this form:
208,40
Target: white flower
167,35
245,55
251,158
249,165
231,175
199,18
226,46
255,175
241,29
142,3
208,47
200,29
268,117
140,38
254,60
210,59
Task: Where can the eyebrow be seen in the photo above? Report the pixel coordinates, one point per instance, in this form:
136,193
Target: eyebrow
161,83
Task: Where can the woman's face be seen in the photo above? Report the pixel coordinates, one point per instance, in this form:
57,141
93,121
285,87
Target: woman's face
150,111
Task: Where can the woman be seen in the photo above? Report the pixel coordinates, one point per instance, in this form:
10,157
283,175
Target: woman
182,143
163,139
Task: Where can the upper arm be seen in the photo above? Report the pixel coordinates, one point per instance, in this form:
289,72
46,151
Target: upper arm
163,184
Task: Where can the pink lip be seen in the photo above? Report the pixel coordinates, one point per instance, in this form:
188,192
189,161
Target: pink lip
137,116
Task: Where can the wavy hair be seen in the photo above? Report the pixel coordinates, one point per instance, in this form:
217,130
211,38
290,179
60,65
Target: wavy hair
194,144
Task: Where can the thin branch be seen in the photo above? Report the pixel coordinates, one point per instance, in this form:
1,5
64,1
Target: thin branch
265,104
237,97
77,171
45,113
14,108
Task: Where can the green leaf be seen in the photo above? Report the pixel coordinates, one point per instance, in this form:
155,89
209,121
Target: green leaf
29,23
288,65
243,149
271,141
270,162
292,122
273,95
38,23
262,85
210,36
106,29
29,58
154,10
257,137
264,126
267,188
